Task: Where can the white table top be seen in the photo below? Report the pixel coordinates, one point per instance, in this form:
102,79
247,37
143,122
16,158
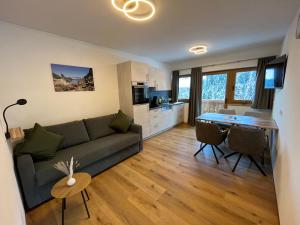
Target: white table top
239,120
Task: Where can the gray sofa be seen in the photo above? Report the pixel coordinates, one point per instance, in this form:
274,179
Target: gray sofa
92,142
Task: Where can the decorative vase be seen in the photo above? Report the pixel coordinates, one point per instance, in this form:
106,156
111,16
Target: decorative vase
71,181
68,169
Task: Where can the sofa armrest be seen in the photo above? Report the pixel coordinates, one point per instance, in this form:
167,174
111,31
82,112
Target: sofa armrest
26,174
137,129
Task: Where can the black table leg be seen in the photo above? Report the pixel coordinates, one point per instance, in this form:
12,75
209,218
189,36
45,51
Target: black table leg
87,210
63,207
87,195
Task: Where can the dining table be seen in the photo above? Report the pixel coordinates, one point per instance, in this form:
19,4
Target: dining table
250,121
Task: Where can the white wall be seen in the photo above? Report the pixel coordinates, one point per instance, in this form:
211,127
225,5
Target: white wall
11,207
286,113
25,72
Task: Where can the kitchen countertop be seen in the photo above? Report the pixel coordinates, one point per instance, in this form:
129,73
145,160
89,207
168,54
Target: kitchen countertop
166,104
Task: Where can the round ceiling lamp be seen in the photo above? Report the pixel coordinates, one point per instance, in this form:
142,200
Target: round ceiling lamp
147,11
118,5
198,49
138,10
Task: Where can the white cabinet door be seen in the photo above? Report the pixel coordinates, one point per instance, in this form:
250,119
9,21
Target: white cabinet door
159,78
169,118
180,113
152,77
139,72
142,117
161,120
155,121
161,81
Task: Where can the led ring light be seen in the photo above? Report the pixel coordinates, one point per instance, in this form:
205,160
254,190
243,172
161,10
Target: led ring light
199,49
137,18
113,2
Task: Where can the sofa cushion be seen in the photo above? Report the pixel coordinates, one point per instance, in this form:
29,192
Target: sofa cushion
86,154
99,127
121,122
41,145
74,133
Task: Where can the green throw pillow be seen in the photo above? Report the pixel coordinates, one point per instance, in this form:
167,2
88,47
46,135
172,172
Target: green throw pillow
41,144
121,122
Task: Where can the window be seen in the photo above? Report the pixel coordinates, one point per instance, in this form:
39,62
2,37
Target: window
235,86
214,87
244,86
184,88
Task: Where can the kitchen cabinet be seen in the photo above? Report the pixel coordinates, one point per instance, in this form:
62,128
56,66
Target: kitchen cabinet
159,79
162,83
163,119
141,116
152,77
139,72
152,121
178,113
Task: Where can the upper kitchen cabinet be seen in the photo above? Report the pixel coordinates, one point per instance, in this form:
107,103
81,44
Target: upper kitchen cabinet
139,72
159,79
163,80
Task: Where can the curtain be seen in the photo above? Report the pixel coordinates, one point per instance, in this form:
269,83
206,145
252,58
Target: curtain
195,95
263,97
175,85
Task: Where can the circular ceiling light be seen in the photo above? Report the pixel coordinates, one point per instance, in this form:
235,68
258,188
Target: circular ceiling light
198,49
147,10
118,5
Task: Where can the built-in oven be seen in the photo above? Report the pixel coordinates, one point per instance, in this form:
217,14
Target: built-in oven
140,93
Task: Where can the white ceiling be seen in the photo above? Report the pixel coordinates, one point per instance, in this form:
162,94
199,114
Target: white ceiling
224,25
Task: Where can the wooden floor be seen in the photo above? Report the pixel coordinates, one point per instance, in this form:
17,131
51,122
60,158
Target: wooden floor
165,185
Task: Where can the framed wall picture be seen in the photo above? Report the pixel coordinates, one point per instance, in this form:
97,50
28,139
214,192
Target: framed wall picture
298,28
72,78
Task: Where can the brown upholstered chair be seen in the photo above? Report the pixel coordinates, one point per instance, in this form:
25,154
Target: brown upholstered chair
257,114
227,111
210,134
247,141
225,126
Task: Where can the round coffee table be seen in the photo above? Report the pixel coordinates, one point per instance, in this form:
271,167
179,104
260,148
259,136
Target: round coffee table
62,191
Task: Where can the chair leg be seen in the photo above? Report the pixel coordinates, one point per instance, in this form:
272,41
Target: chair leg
258,167
219,149
237,162
263,159
212,147
231,154
200,149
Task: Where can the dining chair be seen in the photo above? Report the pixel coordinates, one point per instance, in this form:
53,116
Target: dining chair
261,115
247,141
225,126
257,114
227,111
210,134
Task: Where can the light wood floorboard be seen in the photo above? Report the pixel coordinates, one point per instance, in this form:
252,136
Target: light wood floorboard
166,185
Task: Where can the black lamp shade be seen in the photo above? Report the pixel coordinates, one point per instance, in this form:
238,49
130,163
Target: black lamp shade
21,101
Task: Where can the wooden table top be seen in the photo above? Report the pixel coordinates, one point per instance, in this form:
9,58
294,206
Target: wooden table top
62,190
239,120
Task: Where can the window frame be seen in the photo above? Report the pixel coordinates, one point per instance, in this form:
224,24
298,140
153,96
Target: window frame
184,100
230,86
